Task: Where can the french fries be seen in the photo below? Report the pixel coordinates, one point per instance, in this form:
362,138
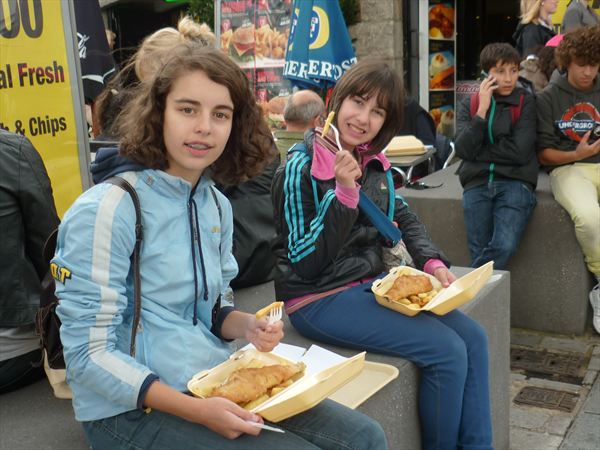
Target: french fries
272,392
270,43
254,403
419,300
226,39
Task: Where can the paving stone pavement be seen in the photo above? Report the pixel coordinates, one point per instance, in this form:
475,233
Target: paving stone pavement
535,428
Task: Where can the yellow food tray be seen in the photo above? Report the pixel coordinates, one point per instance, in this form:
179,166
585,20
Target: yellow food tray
405,146
457,294
373,377
303,394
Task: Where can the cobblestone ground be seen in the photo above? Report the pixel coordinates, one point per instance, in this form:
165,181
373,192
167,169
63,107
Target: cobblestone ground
533,428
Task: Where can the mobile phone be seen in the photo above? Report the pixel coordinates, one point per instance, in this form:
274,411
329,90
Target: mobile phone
594,135
485,75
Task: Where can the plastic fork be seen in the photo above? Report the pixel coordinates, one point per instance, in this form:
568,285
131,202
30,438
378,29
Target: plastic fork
336,133
274,312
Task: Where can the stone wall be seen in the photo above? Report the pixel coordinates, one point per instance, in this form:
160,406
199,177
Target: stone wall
379,33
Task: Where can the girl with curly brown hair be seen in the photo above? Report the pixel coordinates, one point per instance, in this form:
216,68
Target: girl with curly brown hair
193,122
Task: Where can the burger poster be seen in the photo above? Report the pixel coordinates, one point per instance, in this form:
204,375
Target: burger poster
271,91
254,33
442,64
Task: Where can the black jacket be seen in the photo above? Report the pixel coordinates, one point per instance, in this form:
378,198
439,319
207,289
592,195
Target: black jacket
513,152
530,37
27,217
319,249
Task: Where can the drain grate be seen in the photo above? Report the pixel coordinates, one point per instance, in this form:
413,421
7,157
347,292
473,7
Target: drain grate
564,367
547,398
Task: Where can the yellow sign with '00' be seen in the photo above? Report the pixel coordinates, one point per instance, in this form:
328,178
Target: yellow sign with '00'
36,90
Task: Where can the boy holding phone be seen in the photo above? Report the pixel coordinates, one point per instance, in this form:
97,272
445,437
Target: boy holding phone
568,113
496,132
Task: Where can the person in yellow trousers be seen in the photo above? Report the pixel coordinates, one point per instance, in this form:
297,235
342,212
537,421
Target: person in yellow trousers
569,142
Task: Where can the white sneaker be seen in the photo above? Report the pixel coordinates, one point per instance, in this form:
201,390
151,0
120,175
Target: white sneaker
595,301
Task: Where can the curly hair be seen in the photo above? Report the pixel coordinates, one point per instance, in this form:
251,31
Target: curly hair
250,144
546,60
581,45
373,77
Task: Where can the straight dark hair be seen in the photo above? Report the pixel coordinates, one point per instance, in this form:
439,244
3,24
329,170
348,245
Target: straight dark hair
373,77
250,144
498,52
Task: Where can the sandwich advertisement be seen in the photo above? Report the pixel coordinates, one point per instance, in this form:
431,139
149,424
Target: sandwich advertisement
254,33
441,64
40,92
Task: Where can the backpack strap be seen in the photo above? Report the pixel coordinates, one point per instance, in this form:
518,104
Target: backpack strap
382,222
137,295
217,307
474,104
515,111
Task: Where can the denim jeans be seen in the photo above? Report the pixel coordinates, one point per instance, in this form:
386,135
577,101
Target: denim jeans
496,215
328,425
21,371
451,352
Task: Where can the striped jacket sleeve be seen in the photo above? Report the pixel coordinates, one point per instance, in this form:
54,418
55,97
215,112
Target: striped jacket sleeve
315,224
95,242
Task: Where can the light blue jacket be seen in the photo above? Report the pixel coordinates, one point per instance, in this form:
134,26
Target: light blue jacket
95,241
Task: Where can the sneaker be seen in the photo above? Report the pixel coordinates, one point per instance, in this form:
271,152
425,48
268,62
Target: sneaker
595,301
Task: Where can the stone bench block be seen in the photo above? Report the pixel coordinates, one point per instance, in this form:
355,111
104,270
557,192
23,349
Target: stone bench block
550,281
395,406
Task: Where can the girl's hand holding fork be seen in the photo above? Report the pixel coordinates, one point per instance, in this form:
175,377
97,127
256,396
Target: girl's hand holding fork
259,332
347,170
262,335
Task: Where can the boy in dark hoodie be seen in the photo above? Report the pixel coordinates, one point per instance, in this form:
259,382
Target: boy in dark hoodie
568,113
496,141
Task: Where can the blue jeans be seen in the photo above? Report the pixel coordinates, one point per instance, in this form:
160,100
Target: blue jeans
496,215
450,350
328,425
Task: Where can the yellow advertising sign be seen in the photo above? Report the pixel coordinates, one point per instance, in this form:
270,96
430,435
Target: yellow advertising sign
38,89
558,15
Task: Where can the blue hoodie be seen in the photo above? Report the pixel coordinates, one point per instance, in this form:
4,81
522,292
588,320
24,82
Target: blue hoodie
186,265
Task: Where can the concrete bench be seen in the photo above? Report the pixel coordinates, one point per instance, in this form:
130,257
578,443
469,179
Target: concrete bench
549,279
32,418
395,405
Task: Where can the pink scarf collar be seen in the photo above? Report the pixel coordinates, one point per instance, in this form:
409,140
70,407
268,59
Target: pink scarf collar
324,160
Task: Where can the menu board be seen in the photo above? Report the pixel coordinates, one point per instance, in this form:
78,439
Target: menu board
271,91
441,64
254,33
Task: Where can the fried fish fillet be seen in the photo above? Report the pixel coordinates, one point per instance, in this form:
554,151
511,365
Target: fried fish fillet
406,285
245,385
